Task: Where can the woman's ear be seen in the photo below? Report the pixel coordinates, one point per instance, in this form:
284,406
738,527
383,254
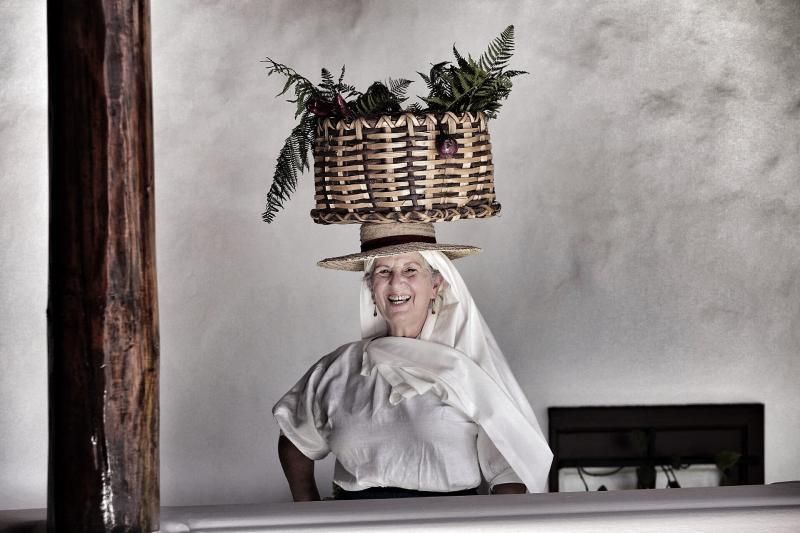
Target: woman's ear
438,281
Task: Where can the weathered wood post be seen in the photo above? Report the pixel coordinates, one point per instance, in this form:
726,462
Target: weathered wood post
102,307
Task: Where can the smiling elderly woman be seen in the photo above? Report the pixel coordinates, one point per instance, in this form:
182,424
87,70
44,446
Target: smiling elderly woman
424,404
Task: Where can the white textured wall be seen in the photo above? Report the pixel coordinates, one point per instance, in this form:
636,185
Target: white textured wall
23,254
648,250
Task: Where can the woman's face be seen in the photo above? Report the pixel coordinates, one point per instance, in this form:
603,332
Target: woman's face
402,288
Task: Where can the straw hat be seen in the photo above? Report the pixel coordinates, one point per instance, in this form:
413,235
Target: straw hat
378,240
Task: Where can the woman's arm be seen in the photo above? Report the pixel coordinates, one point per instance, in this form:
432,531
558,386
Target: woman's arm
299,471
509,488
495,469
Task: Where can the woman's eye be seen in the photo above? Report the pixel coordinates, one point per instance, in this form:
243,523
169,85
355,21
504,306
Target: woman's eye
382,273
410,271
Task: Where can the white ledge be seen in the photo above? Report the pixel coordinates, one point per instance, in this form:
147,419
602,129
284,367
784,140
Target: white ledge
762,508
755,508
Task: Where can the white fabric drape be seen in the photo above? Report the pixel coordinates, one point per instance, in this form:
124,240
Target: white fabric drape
458,359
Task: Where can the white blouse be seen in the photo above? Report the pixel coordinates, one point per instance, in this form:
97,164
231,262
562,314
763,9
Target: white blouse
420,443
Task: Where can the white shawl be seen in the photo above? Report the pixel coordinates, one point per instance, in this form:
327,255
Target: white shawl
456,358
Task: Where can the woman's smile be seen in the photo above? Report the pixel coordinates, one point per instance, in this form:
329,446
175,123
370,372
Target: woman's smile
399,300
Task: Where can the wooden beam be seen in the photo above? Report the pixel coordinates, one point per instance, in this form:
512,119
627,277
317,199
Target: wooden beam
102,307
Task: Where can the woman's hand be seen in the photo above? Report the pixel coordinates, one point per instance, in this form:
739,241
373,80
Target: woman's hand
509,488
299,471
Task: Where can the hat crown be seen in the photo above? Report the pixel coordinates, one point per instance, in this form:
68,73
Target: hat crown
372,232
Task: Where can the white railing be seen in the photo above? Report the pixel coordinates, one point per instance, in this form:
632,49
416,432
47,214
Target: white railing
751,509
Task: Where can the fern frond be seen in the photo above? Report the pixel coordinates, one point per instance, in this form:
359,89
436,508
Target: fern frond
292,77
470,84
292,159
497,56
347,90
398,88
426,79
304,90
305,133
462,63
435,104
327,79
379,98
283,184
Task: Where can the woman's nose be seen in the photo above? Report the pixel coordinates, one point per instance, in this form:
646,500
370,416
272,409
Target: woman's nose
395,279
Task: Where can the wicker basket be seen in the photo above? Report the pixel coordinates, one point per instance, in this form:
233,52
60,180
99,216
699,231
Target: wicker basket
387,169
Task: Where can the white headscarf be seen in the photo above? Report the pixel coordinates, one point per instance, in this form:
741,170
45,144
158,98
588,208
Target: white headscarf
486,390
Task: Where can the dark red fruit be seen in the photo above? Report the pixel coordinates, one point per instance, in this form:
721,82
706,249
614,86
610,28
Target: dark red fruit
446,145
319,108
344,109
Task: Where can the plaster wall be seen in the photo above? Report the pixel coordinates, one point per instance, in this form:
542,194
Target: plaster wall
647,251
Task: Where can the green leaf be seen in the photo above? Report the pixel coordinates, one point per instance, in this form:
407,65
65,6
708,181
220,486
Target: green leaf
462,63
327,79
472,85
426,79
499,52
292,160
398,88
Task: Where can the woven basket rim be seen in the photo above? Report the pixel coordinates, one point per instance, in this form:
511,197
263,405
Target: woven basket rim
345,123
329,217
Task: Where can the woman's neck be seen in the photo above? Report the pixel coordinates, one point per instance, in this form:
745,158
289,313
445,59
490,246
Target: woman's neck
405,330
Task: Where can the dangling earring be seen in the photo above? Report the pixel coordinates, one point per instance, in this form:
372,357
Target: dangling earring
374,310
433,306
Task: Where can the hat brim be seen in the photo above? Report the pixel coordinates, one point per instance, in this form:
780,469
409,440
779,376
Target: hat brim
355,262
